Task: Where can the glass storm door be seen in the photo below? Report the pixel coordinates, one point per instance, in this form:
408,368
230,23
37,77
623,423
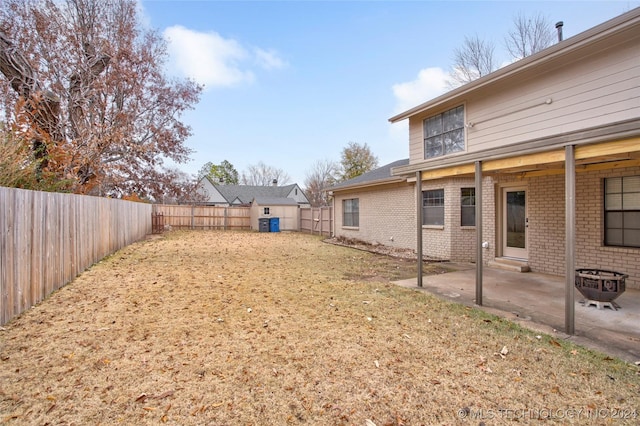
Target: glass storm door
514,232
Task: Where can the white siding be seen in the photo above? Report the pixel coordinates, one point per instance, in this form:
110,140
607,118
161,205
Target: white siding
298,195
597,89
212,196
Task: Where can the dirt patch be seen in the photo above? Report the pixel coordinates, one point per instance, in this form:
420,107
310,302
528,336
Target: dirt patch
395,252
234,328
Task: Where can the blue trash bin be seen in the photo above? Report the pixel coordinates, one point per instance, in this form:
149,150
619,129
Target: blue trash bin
274,224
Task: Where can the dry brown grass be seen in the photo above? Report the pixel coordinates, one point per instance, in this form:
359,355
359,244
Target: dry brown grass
263,328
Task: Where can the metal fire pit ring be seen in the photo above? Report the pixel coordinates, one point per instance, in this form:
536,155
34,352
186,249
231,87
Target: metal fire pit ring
600,287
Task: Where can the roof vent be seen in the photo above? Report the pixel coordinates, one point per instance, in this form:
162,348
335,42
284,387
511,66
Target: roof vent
559,25
275,182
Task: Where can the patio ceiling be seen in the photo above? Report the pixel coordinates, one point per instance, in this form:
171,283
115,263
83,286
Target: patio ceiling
599,156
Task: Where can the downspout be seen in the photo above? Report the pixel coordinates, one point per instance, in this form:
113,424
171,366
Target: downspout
332,221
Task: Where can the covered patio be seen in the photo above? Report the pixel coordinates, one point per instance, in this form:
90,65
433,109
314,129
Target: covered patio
597,152
537,301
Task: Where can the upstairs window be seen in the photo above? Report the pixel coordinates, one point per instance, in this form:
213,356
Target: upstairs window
444,133
468,207
622,211
433,207
350,212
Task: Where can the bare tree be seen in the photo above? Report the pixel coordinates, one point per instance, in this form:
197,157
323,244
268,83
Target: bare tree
262,175
473,60
101,114
355,160
529,35
476,58
321,176
176,187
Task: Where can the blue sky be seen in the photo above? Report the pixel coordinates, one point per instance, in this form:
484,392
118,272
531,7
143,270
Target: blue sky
289,83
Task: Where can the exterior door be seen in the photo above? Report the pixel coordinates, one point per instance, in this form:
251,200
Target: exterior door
515,223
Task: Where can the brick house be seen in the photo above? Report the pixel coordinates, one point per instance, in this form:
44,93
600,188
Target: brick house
541,158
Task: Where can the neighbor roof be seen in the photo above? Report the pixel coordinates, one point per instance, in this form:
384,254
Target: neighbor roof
376,176
246,193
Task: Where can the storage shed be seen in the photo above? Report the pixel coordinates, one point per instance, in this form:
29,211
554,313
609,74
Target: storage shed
286,209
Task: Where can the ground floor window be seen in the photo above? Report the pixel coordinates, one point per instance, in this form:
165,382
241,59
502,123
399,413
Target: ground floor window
350,212
433,207
468,207
622,211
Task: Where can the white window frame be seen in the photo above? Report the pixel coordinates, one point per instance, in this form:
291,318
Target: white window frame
471,207
433,207
445,131
622,211
351,212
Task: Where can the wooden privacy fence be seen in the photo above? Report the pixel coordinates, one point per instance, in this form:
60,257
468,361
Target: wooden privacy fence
47,239
203,217
317,220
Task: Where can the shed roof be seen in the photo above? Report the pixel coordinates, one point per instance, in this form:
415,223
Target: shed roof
275,201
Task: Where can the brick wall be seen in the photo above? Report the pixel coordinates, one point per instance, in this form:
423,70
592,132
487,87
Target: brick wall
489,213
387,216
390,212
545,209
463,239
590,250
546,233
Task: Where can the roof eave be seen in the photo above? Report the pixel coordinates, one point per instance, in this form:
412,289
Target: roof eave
368,184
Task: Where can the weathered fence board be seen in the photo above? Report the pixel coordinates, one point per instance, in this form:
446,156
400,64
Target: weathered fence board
317,220
47,239
204,217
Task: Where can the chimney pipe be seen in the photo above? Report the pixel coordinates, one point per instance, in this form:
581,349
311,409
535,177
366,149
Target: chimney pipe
559,25
275,182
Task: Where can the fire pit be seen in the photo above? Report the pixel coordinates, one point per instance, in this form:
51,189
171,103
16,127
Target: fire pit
600,287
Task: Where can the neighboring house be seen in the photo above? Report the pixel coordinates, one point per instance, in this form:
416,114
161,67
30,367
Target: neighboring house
243,195
549,144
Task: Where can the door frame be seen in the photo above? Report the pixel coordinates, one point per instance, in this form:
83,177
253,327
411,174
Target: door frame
512,252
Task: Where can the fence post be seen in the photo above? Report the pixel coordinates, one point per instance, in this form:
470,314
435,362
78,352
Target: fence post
193,212
224,220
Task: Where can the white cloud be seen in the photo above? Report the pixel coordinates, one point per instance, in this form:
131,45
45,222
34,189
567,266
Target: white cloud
207,58
430,83
269,59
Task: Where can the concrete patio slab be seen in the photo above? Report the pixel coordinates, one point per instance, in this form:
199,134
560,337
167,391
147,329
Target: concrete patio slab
536,301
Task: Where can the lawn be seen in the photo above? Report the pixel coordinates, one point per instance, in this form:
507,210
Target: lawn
230,328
